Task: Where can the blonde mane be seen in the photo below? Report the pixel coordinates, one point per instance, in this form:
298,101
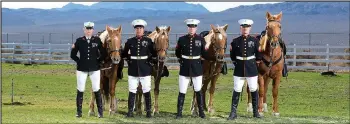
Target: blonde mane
104,36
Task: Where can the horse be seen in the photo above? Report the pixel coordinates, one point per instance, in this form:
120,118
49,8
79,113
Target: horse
272,65
160,38
216,43
111,66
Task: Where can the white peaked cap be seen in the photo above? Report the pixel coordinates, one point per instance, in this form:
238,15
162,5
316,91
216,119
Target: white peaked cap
245,22
192,21
89,24
139,22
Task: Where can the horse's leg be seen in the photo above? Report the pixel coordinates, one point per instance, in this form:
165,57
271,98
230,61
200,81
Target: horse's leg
92,105
112,84
249,101
275,84
156,93
266,86
211,109
261,93
139,100
204,90
194,105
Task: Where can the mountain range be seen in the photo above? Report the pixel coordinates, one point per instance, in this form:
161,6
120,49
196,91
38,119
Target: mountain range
297,16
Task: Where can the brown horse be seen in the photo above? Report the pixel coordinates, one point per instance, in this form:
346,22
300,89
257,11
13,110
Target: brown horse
216,42
160,37
111,39
272,65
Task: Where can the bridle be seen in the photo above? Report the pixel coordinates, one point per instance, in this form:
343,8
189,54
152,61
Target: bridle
161,49
110,50
273,45
217,48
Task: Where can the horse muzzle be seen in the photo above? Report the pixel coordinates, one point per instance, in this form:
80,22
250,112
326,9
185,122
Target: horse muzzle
220,58
116,60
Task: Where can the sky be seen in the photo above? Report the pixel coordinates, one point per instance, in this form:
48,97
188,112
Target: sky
211,6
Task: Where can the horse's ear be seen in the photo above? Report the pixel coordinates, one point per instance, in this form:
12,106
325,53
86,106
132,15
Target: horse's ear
268,15
279,16
119,29
168,29
157,29
225,27
108,29
212,27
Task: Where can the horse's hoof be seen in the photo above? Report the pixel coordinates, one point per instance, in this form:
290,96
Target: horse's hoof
155,112
265,108
194,113
91,113
211,111
261,114
276,114
111,112
250,107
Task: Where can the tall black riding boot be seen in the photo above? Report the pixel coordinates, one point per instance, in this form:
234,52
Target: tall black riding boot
99,103
180,104
235,101
79,101
199,99
131,102
148,102
255,102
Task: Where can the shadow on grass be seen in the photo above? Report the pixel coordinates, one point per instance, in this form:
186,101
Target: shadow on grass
18,103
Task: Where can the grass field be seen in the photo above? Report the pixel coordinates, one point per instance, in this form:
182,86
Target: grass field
48,96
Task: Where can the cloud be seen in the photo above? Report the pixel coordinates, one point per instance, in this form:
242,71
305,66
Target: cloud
211,6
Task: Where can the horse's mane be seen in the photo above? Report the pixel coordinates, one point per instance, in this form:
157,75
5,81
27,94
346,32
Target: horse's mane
104,36
208,38
263,42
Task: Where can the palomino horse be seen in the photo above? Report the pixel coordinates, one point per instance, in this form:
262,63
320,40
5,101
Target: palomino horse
160,37
272,65
216,42
111,39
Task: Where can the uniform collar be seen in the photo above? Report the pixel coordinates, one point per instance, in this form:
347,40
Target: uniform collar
138,38
88,37
191,36
245,36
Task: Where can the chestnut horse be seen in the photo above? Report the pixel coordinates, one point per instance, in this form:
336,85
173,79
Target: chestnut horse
111,39
216,42
272,65
160,38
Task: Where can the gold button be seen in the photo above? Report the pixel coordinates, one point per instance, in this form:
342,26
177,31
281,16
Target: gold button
245,54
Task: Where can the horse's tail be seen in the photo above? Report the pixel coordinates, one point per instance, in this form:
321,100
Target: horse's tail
106,89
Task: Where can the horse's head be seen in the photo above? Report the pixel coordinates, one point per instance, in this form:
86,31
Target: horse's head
160,37
273,28
218,38
113,43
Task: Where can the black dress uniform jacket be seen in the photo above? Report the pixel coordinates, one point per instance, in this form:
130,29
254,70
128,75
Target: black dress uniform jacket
244,47
91,54
142,46
190,46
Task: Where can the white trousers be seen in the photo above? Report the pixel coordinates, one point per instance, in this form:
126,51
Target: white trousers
238,83
184,81
134,82
94,77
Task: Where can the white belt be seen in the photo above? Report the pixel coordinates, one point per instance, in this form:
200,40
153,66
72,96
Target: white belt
138,57
191,57
245,58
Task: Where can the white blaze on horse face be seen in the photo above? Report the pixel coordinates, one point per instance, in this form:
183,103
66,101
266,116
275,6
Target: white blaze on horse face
220,36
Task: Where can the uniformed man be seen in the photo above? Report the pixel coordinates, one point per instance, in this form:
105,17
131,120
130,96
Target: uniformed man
139,66
189,50
245,56
91,55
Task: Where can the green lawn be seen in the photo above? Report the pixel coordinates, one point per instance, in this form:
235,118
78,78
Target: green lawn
48,93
